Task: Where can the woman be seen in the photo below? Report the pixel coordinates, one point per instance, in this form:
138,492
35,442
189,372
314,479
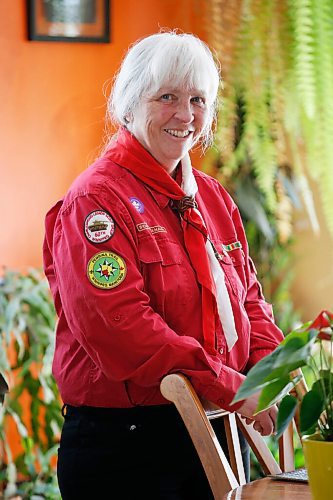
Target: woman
149,268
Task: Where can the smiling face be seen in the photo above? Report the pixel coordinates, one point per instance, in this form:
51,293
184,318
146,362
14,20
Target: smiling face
169,122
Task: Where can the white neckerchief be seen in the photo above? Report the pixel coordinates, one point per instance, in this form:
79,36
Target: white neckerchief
190,187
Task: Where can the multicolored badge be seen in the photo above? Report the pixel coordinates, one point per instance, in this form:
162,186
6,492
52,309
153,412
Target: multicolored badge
99,226
232,246
106,270
137,204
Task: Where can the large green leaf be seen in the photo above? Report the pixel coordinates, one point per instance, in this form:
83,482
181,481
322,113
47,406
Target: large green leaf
292,353
257,377
324,386
303,332
275,391
311,408
286,412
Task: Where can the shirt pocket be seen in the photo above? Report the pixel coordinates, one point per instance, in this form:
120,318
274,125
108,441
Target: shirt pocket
165,278
165,252
233,263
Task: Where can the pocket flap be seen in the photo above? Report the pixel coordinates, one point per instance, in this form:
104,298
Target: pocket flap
164,251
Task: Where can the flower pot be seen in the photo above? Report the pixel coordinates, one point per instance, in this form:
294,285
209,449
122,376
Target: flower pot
319,462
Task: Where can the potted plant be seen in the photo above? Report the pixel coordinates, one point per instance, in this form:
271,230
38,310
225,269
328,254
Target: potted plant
310,345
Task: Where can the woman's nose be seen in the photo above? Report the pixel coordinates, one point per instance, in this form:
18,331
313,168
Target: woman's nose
184,112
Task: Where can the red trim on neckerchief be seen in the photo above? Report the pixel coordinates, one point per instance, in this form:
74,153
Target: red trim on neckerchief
127,152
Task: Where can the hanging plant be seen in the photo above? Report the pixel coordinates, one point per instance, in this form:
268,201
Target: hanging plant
276,107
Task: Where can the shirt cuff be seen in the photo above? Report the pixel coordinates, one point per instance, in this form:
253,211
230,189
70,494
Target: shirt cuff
224,388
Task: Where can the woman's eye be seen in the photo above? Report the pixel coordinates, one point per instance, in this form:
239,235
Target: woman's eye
198,100
166,97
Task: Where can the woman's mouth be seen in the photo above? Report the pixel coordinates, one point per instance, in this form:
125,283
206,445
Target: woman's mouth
182,134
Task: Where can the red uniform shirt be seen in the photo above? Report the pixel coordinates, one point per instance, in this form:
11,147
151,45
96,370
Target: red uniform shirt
127,297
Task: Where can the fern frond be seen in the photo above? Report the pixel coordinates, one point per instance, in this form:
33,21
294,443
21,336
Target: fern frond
303,54
284,212
263,155
323,46
223,20
278,68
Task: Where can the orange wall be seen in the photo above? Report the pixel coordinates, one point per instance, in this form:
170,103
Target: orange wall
52,110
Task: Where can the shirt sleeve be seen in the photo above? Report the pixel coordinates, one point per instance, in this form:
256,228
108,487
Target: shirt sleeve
117,327
265,335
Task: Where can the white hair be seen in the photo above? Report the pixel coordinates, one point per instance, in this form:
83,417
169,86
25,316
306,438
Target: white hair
163,58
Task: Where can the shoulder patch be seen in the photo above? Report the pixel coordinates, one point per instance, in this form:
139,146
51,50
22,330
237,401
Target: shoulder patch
106,270
99,226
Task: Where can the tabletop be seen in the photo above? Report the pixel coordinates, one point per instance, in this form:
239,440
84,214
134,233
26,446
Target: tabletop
270,489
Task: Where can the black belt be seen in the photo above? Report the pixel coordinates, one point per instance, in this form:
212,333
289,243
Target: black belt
142,412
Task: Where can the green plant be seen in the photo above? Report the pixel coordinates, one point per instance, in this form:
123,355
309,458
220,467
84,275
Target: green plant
277,67
27,323
310,346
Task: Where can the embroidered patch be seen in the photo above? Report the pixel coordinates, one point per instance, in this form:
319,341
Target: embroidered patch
143,226
99,226
137,204
232,246
106,270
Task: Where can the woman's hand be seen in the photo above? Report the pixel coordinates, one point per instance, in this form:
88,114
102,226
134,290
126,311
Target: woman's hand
265,421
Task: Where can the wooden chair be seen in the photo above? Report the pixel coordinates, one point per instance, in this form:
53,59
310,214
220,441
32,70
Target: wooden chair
196,414
3,388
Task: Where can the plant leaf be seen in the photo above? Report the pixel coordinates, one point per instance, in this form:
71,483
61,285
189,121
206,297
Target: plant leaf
312,406
292,353
275,391
286,412
324,386
256,377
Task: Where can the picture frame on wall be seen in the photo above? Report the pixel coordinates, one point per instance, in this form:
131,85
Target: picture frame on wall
69,20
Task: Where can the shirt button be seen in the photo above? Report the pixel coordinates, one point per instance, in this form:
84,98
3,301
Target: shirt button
221,350
117,317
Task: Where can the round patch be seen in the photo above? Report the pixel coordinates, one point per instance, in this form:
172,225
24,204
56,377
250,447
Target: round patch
137,204
106,270
99,226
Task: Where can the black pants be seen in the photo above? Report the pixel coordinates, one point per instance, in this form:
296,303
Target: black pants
127,454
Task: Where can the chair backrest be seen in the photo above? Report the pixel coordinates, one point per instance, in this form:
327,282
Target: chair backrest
3,388
196,414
